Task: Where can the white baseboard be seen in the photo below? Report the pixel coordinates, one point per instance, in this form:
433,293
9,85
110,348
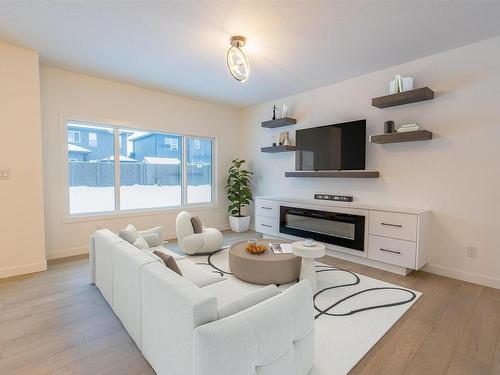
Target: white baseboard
462,275
67,252
24,269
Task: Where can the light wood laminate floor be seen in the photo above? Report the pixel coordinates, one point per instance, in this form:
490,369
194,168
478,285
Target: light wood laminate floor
55,322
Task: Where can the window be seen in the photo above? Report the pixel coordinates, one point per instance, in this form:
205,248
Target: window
199,171
171,144
91,175
73,136
92,139
151,177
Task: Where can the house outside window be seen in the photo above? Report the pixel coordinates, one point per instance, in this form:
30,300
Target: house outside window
196,144
92,139
74,136
171,144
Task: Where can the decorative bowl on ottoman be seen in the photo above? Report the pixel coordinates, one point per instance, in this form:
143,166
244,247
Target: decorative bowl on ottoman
254,248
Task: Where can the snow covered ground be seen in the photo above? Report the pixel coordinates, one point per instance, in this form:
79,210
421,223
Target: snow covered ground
84,199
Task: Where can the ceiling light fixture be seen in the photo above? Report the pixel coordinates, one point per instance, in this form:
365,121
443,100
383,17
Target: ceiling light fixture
236,60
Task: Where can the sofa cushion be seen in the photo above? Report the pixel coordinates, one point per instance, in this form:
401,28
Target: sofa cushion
245,301
129,234
198,275
196,223
141,243
154,236
225,291
169,261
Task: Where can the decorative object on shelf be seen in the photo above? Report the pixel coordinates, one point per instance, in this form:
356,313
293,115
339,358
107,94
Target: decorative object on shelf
408,136
389,127
237,62
239,195
284,110
274,112
406,97
408,128
284,139
400,84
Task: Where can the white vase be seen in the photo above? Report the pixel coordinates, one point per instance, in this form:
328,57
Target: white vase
239,224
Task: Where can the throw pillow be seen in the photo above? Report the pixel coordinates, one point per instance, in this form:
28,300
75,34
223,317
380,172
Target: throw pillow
196,223
246,301
169,261
141,243
153,239
129,234
156,230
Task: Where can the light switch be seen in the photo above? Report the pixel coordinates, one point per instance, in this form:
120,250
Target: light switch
5,174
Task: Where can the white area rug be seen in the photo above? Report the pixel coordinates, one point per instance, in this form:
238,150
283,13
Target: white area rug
353,312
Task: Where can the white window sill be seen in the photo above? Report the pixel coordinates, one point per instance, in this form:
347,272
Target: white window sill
137,213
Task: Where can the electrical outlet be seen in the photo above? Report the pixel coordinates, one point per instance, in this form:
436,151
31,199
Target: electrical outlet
4,174
472,252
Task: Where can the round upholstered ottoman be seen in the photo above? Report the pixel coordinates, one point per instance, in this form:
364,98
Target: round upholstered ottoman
266,268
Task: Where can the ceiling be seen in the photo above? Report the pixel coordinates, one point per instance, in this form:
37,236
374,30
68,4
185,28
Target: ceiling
293,46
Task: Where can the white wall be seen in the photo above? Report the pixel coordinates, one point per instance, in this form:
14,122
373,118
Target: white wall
70,95
456,175
22,247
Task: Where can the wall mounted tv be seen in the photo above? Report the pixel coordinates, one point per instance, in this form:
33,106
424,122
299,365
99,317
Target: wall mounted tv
332,147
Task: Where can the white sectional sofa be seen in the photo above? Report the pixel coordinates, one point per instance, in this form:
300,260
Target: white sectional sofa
201,323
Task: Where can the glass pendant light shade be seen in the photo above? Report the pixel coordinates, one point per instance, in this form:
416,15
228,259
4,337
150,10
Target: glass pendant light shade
237,61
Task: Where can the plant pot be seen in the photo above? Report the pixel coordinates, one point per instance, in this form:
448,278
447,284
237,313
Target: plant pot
239,224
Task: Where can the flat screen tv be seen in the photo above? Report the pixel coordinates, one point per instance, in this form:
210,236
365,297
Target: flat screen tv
332,147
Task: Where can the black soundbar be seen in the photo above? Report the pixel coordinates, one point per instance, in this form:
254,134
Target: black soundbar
334,197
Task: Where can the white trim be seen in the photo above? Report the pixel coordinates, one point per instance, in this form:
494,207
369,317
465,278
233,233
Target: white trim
24,269
67,252
136,213
117,192
462,275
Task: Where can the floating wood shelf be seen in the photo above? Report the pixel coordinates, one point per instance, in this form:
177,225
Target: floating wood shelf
285,121
405,97
281,148
417,135
334,174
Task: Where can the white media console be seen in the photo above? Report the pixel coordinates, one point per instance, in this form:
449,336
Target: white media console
393,239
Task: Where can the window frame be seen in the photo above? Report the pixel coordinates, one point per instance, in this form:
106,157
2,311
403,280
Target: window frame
171,142
115,127
74,132
94,141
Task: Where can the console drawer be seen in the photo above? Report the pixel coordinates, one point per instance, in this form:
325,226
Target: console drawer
393,224
392,251
266,224
264,207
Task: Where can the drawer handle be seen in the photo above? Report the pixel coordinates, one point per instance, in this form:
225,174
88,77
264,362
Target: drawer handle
391,251
392,225
265,225
266,208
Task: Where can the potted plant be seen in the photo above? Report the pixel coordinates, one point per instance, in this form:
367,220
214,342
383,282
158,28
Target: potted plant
239,195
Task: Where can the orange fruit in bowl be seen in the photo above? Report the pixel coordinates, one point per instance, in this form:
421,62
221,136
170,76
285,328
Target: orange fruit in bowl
256,249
